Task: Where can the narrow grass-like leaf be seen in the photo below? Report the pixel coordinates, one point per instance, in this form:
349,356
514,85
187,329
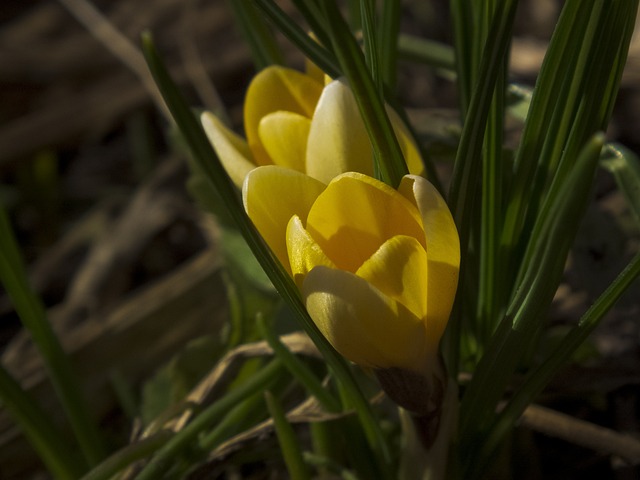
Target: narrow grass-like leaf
289,445
571,123
558,62
623,25
383,139
590,116
427,52
262,43
468,158
531,301
299,370
535,382
370,41
209,163
32,315
235,417
490,281
355,15
463,41
58,456
313,15
315,52
468,162
624,165
388,42
324,444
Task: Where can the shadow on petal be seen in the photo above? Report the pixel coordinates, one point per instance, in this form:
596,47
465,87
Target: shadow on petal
363,324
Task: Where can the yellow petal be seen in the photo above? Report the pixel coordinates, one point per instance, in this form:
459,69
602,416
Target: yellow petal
272,89
408,145
271,196
355,215
304,252
443,249
399,270
338,141
284,137
364,325
232,149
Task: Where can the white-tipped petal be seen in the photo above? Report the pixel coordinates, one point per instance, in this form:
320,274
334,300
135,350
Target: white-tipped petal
338,141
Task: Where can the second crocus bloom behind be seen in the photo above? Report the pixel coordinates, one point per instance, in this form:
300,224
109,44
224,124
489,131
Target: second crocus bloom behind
293,120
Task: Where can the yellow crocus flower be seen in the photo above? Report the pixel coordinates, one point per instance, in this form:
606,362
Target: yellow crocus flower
377,267
293,120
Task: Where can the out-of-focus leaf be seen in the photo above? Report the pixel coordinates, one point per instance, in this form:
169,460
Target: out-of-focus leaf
237,252
519,100
625,167
173,381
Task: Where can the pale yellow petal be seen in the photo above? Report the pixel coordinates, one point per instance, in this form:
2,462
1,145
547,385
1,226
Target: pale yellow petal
271,196
232,149
443,249
284,137
399,270
272,89
338,141
408,145
364,325
304,252
355,215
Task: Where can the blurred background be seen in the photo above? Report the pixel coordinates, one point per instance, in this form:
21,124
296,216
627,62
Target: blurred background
93,177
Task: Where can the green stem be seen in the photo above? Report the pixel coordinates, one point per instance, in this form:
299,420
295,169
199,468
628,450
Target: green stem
299,370
318,54
128,455
167,455
389,31
233,419
289,444
263,46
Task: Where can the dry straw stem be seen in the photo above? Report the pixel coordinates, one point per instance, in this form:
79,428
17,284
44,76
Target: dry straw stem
194,65
104,31
227,368
584,434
